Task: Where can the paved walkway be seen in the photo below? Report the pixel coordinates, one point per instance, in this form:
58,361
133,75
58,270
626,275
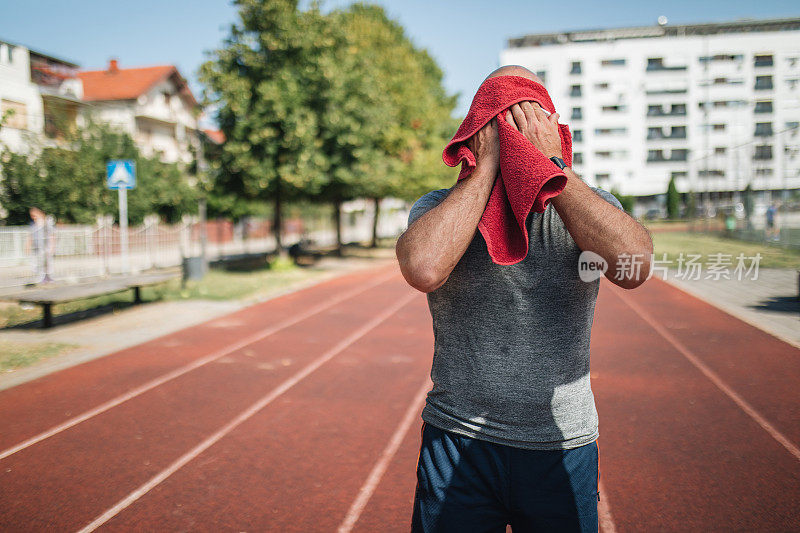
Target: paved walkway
769,302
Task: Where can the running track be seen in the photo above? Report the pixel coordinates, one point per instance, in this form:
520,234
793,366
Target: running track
302,414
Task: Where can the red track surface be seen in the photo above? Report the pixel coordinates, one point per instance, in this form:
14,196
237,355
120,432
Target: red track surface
284,432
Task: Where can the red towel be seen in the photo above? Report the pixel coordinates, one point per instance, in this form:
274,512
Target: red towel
527,180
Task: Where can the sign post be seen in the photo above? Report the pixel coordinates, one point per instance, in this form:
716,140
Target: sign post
121,175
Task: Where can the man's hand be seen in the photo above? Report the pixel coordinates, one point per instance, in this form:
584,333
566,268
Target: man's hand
532,121
485,144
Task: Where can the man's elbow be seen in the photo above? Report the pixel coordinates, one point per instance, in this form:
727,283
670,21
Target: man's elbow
639,269
420,274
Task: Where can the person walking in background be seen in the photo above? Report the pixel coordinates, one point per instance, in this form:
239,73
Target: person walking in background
509,430
772,232
39,246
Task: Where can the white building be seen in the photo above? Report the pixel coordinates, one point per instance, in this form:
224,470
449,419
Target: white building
37,91
153,104
716,105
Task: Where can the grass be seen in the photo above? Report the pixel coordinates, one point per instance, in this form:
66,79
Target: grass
14,355
674,243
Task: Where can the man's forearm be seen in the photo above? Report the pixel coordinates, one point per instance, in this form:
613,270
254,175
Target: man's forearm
432,246
600,227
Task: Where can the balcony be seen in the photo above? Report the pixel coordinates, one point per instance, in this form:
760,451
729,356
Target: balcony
763,129
763,61
763,107
676,110
763,83
656,64
677,132
763,153
657,156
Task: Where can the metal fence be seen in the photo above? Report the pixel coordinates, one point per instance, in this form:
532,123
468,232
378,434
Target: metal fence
71,253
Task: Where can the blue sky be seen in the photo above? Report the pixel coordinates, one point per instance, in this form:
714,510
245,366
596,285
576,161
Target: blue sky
464,36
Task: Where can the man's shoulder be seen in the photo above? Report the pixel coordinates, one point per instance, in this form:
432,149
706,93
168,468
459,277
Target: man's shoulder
607,196
426,202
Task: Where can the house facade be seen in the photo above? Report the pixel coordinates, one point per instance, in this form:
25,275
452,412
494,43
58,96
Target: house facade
153,104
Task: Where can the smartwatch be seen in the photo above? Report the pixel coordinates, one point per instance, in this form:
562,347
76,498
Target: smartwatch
559,162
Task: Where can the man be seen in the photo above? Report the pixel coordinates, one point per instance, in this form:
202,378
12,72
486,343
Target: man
40,244
510,426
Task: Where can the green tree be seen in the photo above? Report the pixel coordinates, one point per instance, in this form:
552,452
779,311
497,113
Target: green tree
265,84
69,181
673,200
385,113
627,201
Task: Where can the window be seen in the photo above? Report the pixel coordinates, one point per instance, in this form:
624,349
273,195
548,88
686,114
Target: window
658,110
657,63
721,57
654,110
610,131
615,108
678,154
612,63
575,90
763,83
711,173
763,61
542,75
678,109
678,132
764,106
718,127
16,114
681,154
720,150
577,136
602,177
603,155
763,172
763,129
576,67
577,158
763,152
679,174
655,133
602,86
577,113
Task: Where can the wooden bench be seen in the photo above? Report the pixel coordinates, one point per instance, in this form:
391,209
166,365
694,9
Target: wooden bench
58,295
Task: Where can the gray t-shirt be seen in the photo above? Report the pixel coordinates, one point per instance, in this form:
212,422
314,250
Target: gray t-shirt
511,350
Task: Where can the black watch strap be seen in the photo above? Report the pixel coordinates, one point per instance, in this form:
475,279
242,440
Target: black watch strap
559,162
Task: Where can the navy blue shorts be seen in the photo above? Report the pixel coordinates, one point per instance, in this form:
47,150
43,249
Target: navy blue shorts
470,485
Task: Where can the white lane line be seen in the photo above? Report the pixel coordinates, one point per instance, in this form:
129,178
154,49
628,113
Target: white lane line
250,411
604,511
715,379
366,491
262,334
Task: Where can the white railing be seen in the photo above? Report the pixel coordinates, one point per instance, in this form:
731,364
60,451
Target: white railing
71,253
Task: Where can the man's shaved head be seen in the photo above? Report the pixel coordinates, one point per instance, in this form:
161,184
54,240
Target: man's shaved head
515,70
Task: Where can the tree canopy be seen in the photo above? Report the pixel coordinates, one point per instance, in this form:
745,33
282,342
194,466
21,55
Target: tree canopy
325,107
69,180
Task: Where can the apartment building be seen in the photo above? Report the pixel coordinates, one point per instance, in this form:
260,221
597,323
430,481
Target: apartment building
715,106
